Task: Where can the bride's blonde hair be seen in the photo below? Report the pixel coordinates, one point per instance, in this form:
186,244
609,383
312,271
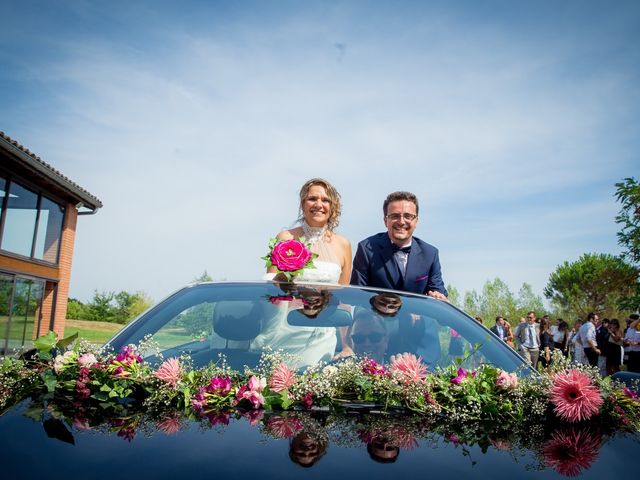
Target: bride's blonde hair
334,197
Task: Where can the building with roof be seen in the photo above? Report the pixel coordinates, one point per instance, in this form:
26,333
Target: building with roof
40,209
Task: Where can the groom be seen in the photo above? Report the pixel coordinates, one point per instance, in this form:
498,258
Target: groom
396,259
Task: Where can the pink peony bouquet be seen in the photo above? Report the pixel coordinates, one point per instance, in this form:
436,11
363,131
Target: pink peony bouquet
289,257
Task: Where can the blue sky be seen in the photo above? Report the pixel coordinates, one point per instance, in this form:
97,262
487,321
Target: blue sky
196,123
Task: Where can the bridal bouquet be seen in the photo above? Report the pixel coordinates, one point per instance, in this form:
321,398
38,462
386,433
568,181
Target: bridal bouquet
290,257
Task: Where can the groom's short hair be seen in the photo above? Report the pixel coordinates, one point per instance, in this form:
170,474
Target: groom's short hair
398,196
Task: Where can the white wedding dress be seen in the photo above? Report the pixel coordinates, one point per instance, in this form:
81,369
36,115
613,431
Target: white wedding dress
309,345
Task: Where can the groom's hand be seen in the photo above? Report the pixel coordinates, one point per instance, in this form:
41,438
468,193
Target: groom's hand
437,295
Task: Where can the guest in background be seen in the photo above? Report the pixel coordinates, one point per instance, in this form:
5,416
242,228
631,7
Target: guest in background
576,352
546,342
588,339
632,344
615,349
528,336
509,336
499,329
602,339
561,337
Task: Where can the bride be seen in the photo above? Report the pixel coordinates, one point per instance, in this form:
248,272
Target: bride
320,210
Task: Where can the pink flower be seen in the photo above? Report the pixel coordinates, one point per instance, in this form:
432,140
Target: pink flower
170,372
257,384
252,391
570,452
87,360
631,393
507,381
307,401
128,355
219,385
409,367
290,255
462,374
574,397
282,379
372,367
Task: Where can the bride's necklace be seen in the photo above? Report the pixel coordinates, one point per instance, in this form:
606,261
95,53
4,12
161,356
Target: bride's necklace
313,234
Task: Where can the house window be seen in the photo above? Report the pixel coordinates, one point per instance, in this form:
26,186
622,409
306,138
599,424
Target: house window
49,228
31,222
20,220
20,311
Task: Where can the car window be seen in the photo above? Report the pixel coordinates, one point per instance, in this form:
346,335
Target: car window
313,324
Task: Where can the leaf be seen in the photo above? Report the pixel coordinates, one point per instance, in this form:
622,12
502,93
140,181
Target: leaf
65,342
46,343
49,379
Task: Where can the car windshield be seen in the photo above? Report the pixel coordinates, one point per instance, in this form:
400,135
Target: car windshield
310,324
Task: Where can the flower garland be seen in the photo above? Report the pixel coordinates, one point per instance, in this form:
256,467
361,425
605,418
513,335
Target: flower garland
81,373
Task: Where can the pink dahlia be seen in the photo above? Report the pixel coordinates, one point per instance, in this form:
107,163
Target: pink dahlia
409,367
282,379
572,451
169,372
574,397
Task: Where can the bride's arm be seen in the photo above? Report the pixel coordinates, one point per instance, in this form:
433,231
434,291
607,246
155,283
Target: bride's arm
347,262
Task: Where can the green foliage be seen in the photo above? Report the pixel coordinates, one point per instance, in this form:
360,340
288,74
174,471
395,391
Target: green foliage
497,299
593,283
454,296
113,307
76,309
628,194
204,277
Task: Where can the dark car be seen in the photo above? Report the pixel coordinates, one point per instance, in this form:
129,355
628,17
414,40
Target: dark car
270,379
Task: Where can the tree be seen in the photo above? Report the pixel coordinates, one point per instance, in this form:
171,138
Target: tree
116,307
628,194
454,296
593,283
76,309
204,277
497,300
472,303
528,301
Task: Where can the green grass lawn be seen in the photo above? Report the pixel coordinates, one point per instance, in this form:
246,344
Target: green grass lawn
95,332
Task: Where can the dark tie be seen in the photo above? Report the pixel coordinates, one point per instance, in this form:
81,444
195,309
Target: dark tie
396,248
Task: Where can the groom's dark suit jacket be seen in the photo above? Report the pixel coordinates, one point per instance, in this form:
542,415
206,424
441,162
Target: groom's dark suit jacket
375,266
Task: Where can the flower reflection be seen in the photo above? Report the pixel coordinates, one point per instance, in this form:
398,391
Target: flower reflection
571,451
284,426
170,424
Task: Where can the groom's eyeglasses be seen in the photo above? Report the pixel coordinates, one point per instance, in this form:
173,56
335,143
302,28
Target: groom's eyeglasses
409,217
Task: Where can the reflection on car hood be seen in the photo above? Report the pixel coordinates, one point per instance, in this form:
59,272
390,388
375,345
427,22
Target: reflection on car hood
84,442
